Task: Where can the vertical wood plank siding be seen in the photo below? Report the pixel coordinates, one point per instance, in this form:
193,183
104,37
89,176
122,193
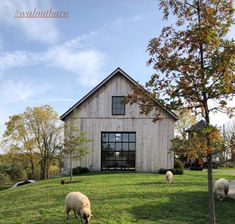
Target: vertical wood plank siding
152,139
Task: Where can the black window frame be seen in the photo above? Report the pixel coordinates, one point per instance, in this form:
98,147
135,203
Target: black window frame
123,107
114,158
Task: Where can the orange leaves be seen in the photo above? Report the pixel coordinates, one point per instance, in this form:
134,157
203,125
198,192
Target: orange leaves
214,135
195,61
210,10
201,143
228,76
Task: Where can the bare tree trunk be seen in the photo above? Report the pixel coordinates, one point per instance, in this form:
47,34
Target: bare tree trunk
211,203
32,170
71,167
43,170
47,169
210,191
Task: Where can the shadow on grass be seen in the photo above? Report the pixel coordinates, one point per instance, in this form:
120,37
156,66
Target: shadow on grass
73,182
184,207
154,183
178,183
2,188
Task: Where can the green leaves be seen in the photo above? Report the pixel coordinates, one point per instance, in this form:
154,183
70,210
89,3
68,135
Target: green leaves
193,59
197,143
36,131
75,142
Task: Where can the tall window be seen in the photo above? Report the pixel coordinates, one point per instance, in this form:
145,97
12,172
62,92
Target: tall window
118,105
118,150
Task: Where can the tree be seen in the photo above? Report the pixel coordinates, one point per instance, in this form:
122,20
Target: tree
194,62
45,127
74,142
195,146
179,145
35,133
17,139
229,135
12,168
186,120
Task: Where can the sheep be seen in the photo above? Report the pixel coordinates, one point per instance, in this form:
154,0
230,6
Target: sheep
169,177
80,204
221,188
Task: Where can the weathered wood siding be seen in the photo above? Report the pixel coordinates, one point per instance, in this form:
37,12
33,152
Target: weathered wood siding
152,139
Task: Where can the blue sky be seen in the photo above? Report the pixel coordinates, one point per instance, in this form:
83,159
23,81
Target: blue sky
57,61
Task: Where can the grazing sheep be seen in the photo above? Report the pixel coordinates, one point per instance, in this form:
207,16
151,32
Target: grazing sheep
80,204
169,177
221,188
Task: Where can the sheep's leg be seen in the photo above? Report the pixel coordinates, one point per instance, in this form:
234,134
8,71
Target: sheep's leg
226,191
75,214
67,214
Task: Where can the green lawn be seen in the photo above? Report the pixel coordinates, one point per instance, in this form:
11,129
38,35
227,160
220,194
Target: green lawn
119,198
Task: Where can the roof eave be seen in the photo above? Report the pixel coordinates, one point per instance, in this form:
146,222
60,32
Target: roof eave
63,116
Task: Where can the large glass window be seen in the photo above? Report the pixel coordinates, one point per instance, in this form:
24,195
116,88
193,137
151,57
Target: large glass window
118,150
118,105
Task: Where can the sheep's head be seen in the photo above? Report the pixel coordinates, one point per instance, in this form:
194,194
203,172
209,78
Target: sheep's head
85,217
220,195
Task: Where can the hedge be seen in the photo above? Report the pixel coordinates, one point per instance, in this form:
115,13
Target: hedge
174,171
78,170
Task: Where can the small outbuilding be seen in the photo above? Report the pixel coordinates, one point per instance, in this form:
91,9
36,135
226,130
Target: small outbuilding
122,139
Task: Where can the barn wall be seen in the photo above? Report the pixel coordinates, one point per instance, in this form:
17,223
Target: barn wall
152,139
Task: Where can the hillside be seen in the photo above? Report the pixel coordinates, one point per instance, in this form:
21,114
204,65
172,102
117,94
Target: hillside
118,198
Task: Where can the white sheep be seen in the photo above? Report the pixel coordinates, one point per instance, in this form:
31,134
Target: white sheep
221,188
80,204
169,177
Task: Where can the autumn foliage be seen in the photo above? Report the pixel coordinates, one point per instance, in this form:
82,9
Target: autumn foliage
194,63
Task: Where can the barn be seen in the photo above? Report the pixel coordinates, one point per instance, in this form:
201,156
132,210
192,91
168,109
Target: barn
122,139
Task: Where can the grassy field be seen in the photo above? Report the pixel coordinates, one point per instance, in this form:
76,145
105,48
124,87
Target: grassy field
3,188
119,198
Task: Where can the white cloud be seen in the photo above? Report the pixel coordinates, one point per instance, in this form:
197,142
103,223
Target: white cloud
85,64
1,43
77,56
42,30
13,59
15,91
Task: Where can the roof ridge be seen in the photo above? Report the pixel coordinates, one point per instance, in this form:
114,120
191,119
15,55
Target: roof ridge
118,69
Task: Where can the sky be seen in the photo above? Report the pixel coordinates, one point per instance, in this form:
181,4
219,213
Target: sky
56,61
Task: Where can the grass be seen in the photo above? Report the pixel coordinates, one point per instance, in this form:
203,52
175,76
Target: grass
119,198
3,187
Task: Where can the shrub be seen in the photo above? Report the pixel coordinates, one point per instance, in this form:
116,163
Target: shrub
200,168
174,171
84,170
178,164
179,171
78,170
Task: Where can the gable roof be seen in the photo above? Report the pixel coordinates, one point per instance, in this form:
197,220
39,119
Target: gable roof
115,72
199,125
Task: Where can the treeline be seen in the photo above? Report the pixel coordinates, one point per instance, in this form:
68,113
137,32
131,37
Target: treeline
34,147
16,166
